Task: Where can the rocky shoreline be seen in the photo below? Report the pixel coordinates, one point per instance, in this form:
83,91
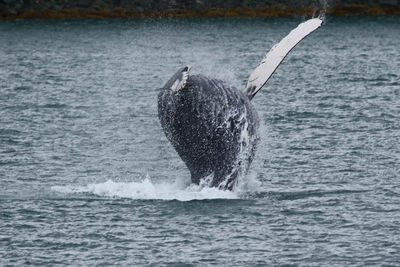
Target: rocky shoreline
60,9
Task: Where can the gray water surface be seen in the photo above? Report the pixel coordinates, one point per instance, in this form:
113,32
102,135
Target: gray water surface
87,176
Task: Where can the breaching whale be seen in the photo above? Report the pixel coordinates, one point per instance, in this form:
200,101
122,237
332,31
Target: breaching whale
214,126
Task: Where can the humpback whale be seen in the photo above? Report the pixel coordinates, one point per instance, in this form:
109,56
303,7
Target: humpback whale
212,125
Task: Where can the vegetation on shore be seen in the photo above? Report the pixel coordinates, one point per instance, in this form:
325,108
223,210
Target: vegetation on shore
96,12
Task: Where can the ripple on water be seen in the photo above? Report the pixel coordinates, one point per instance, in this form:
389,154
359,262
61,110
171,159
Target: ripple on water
79,131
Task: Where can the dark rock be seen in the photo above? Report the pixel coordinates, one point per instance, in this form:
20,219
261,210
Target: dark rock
83,3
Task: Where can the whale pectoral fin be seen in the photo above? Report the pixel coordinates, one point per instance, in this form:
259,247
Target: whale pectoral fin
178,80
277,53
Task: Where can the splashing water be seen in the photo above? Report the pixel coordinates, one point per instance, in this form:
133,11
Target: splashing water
321,7
146,189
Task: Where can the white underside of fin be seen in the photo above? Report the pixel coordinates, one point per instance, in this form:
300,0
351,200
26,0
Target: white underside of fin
278,52
180,82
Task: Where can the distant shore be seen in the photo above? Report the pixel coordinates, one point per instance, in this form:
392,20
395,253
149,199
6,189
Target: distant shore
96,9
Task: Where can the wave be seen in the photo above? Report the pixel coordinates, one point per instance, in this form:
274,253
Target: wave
147,189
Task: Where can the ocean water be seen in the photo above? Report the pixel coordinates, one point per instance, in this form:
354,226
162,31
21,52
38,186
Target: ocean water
87,176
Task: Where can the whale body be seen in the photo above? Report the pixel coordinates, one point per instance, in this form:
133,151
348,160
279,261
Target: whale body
212,125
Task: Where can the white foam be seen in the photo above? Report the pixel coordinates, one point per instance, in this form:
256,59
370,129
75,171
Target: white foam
146,189
247,184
